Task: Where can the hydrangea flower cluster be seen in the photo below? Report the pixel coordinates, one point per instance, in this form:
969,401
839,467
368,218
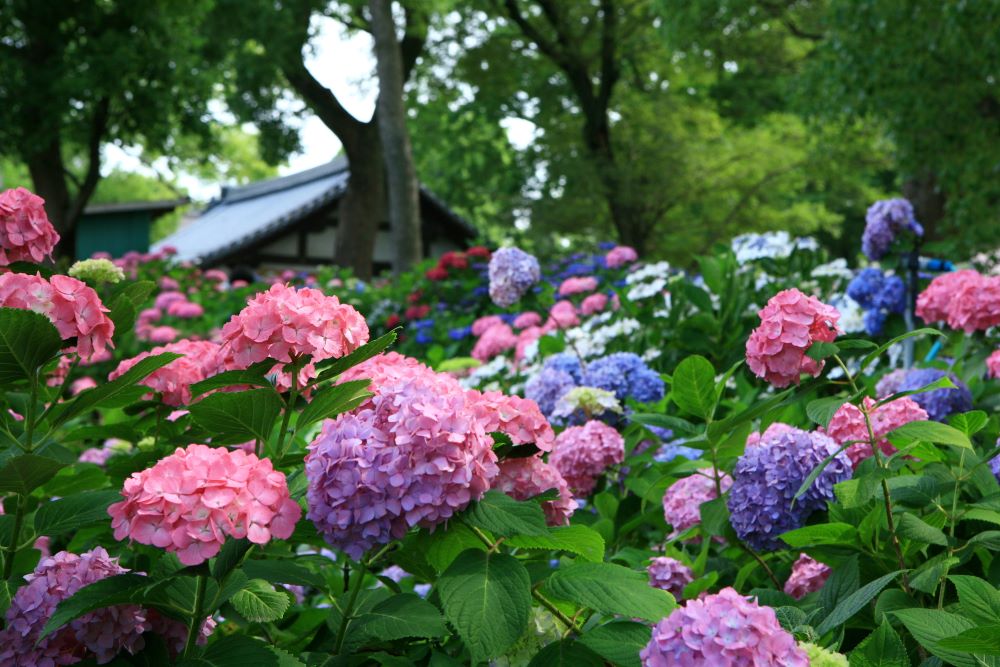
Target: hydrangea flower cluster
283,322
789,324
938,403
880,295
577,285
775,430
619,256
848,425
821,657
530,476
26,235
100,634
512,273
976,305
807,576
202,359
527,319
497,339
993,364
191,500
935,302
587,402
769,245
626,375
594,303
669,574
517,418
562,315
414,453
885,220
97,271
547,387
722,630
72,306
683,499
767,477
485,323
583,453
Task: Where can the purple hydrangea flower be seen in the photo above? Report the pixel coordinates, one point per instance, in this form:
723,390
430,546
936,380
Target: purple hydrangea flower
669,574
627,375
512,273
885,220
547,387
939,403
768,476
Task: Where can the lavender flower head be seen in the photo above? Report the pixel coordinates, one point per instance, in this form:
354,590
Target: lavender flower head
568,363
547,387
768,476
669,574
512,273
885,220
627,376
939,403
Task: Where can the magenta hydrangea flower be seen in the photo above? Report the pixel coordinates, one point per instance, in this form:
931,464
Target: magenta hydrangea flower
848,425
789,324
683,499
807,576
191,500
993,364
975,306
722,630
775,430
512,273
283,322
497,339
577,285
168,298
100,634
415,453
583,453
530,476
669,574
72,306
594,303
483,324
563,315
620,256
175,633
518,418
185,310
526,319
201,360
935,302
26,235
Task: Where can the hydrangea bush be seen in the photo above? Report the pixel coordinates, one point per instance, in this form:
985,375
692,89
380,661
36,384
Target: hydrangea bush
499,460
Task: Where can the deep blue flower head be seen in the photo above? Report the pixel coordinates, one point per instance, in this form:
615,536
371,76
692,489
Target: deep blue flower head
874,322
879,294
766,479
460,333
864,286
892,296
939,403
885,220
607,245
423,338
481,290
669,451
426,323
627,376
663,434
567,363
995,464
548,387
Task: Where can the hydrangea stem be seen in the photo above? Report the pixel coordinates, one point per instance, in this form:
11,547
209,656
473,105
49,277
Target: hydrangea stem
194,625
289,406
8,560
346,612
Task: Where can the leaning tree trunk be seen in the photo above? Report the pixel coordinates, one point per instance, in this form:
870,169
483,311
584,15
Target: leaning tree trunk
362,208
49,181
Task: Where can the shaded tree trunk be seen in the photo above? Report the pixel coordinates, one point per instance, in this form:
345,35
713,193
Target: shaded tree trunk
363,206
49,181
928,201
397,151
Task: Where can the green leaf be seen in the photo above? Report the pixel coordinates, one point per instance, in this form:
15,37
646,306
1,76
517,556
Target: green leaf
236,650
116,590
821,410
331,401
27,341
885,346
575,539
332,367
442,547
611,589
930,626
502,515
229,558
882,648
76,511
843,581
234,417
282,572
979,599
258,602
487,598
982,640
853,603
822,533
675,424
820,350
405,615
254,376
914,528
618,642
25,473
714,517
969,423
932,432
980,514
988,538
693,387
756,409
566,653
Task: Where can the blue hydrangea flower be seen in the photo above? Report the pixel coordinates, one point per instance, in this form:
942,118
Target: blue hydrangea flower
885,220
627,375
766,479
669,451
879,294
939,403
566,362
874,322
548,387
864,286
460,333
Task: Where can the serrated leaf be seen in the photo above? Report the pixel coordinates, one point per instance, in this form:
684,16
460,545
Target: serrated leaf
258,602
282,572
238,416
930,626
821,410
853,603
914,528
932,432
979,599
442,547
487,598
618,642
693,386
969,423
81,509
27,341
401,616
982,640
502,515
822,533
675,424
576,539
235,650
254,376
25,473
611,589
820,350
331,401
882,648
332,367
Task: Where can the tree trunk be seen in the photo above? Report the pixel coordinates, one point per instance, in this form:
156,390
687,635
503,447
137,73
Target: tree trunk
362,209
928,201
401,176
48,177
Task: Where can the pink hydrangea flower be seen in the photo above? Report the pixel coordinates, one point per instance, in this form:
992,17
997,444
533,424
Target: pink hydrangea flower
191,500
283,322
185,310
789,324
807,576
683,499
594,303
149,315
530,476
722,630
620,256
202,359
82,384
485,323
72,306
934,303
164,334
975,305
165,299
583,453
168,283
518,418
26,235
669,574
848,424
414,454
562,315
577,285
993,364
525,338
775,430
100,634
526,319
215,276
497,339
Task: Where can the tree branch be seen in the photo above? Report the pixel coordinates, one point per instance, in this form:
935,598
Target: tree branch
98,130
414,38
609,63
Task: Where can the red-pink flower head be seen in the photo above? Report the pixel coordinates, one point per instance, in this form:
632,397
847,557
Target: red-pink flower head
789,324
526,319
807,577
26,235
594,303
577,285
993,364
163,334
190,501
202,359
484,323
848,425
72,306
518,418
185,310
583,453
683,499
166,299
620,256
496,340
934,303
562,315
975,306
283,322
530,476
